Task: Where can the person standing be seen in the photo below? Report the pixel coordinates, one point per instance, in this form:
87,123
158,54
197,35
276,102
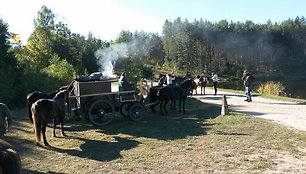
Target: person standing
247,81
124,82
5,119
170,79
215,80
161,79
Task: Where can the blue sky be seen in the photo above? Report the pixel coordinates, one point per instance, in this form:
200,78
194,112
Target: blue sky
106,18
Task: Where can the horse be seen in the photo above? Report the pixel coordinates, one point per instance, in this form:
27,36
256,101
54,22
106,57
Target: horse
201,81
153,96
44,110
36,95
10,161
171,92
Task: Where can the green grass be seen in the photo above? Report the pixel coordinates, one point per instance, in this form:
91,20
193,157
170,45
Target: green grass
199,141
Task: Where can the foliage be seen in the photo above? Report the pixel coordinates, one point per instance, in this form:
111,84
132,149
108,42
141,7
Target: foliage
272,88
136,70
60,70
8,71
261,48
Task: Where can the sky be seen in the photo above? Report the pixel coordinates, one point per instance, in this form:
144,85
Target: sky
106,18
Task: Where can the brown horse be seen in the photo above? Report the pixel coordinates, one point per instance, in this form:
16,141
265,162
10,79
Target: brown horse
9,159
36,95
44,110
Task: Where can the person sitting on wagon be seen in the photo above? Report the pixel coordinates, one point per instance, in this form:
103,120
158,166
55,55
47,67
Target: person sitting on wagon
124,82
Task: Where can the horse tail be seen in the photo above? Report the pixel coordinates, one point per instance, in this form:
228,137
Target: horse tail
36,117
29,110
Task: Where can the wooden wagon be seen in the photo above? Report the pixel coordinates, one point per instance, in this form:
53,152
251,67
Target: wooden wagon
100,100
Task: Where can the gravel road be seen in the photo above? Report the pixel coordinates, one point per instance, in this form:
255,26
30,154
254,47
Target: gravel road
290,114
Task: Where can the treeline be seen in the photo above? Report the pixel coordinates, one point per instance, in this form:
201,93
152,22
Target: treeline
277,49
54,55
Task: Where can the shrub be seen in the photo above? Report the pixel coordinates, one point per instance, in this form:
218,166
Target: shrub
271,88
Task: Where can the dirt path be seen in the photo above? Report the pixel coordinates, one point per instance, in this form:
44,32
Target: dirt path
290,114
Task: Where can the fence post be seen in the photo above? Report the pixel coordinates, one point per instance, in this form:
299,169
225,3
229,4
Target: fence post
224,108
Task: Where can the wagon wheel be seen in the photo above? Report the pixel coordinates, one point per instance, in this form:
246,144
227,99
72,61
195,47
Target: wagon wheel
137,112
101,112
124,108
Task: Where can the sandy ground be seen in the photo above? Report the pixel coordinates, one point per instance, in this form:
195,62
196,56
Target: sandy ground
290,114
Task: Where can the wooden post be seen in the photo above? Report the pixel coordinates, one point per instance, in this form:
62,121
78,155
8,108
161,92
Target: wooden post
224,108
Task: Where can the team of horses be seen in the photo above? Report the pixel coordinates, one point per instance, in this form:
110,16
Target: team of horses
164,94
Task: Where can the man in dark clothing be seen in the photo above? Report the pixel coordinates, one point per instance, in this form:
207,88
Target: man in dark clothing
124,82
161,79
247,81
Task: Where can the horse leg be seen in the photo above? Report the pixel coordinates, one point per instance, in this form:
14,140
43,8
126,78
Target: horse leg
184,99
43,129
204,89
173,103
180,105
152,108
62,125
29,111
161,107
164,106
54,127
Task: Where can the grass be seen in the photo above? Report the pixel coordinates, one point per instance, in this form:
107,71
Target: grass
199,141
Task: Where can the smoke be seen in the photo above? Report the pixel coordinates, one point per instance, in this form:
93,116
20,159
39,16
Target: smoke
107,57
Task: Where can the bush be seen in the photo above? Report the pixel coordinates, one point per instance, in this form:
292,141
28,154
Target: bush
271,88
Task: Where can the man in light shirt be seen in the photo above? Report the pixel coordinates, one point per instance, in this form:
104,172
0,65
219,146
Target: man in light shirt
215,81
170,79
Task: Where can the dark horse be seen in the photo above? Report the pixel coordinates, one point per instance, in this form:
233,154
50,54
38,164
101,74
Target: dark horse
9,159
171,92
36,95
43,110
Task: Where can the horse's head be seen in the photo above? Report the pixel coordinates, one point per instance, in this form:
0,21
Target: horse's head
63,94
193,84
188,84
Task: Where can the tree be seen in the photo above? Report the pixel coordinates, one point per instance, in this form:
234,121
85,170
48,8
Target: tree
7,67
